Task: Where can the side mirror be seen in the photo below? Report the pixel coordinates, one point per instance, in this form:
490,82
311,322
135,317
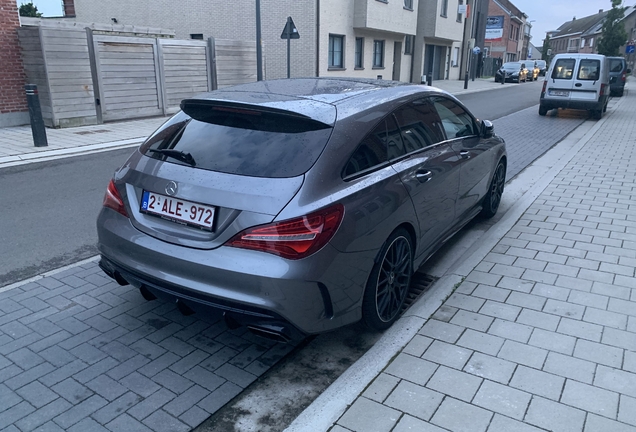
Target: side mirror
487,129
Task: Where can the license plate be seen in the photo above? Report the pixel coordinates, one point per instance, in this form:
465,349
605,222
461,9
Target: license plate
559,93
178,210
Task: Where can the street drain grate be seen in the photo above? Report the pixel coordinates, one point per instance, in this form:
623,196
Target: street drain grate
420,282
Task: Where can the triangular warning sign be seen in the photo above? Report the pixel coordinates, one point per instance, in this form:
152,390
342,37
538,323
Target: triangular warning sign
290,29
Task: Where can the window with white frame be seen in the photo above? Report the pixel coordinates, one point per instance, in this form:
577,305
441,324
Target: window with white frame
336,51
591,42
444,8
455,58
582,42
378,53
573,44
359,53
408,4
459,15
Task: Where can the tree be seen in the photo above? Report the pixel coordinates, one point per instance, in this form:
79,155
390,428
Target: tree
544,50
29,10
614,35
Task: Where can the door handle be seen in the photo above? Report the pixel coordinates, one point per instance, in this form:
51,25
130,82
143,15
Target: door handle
578,84
465,154
423,176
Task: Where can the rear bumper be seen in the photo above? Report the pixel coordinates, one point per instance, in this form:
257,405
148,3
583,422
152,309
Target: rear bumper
308,296
593,105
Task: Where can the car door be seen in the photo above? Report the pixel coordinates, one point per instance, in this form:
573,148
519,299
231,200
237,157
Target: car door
428,167
560,83
464,138
587,83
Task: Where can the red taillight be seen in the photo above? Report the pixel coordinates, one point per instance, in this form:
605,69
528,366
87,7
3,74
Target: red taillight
624,77
603,87
294,238
545,84
113,200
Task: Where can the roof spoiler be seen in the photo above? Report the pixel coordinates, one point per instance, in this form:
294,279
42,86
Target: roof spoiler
250,116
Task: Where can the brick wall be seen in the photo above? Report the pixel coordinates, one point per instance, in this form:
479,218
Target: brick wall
12,78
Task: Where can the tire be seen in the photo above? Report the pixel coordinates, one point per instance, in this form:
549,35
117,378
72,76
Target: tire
597,114
491,202
620,92
389,282
542,110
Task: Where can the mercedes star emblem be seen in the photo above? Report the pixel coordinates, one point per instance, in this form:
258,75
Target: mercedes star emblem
171,188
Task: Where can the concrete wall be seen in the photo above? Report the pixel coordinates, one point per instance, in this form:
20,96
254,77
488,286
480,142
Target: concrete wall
13,108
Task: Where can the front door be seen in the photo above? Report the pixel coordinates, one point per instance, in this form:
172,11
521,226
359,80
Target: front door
464,138
429,169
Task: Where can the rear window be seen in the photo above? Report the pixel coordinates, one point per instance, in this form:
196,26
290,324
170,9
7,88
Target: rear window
243,142
563,69
616,65
589,70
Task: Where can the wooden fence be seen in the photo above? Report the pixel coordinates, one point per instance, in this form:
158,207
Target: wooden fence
88,77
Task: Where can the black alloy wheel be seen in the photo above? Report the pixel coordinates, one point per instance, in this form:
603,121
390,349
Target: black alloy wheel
389,282
493,197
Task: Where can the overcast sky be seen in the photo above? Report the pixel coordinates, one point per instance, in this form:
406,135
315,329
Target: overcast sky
548,14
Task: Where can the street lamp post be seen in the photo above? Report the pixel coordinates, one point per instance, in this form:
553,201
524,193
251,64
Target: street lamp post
259,48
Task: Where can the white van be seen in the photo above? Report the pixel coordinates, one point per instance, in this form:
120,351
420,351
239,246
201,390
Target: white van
577,81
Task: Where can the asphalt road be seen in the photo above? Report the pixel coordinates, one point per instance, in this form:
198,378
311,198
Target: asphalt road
49,208
49,211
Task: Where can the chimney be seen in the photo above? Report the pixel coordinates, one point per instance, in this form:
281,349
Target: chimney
68,7
573,18
600,11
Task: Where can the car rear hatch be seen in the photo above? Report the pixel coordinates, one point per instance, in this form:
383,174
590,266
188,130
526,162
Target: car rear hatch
223,165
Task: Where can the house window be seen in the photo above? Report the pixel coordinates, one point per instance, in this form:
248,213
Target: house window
359,53
582,43
591,42
198,36
408,44
336,57
455,58
378,53
444,8
459,15
573,44
408,4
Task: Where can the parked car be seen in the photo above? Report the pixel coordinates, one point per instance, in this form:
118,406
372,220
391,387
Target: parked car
542,65
618,72
577,81
512,71
299,206
532,68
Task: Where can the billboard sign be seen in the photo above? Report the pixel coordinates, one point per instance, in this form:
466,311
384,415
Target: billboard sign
494,27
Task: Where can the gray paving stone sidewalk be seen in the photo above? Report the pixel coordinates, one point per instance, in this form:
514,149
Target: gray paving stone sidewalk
541,335
80,353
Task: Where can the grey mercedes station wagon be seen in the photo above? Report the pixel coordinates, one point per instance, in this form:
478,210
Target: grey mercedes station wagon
298,206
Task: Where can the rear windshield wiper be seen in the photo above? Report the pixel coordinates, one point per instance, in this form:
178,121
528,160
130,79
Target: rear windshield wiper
176,154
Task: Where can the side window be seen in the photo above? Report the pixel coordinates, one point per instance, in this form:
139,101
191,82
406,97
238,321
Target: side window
372,151
419,125
455,121
563,69
589,69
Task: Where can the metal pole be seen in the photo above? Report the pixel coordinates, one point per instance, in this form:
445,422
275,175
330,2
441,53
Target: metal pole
288,47
35,113
259,48
467,45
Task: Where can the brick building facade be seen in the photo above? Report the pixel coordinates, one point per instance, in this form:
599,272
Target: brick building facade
505,31
13,107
